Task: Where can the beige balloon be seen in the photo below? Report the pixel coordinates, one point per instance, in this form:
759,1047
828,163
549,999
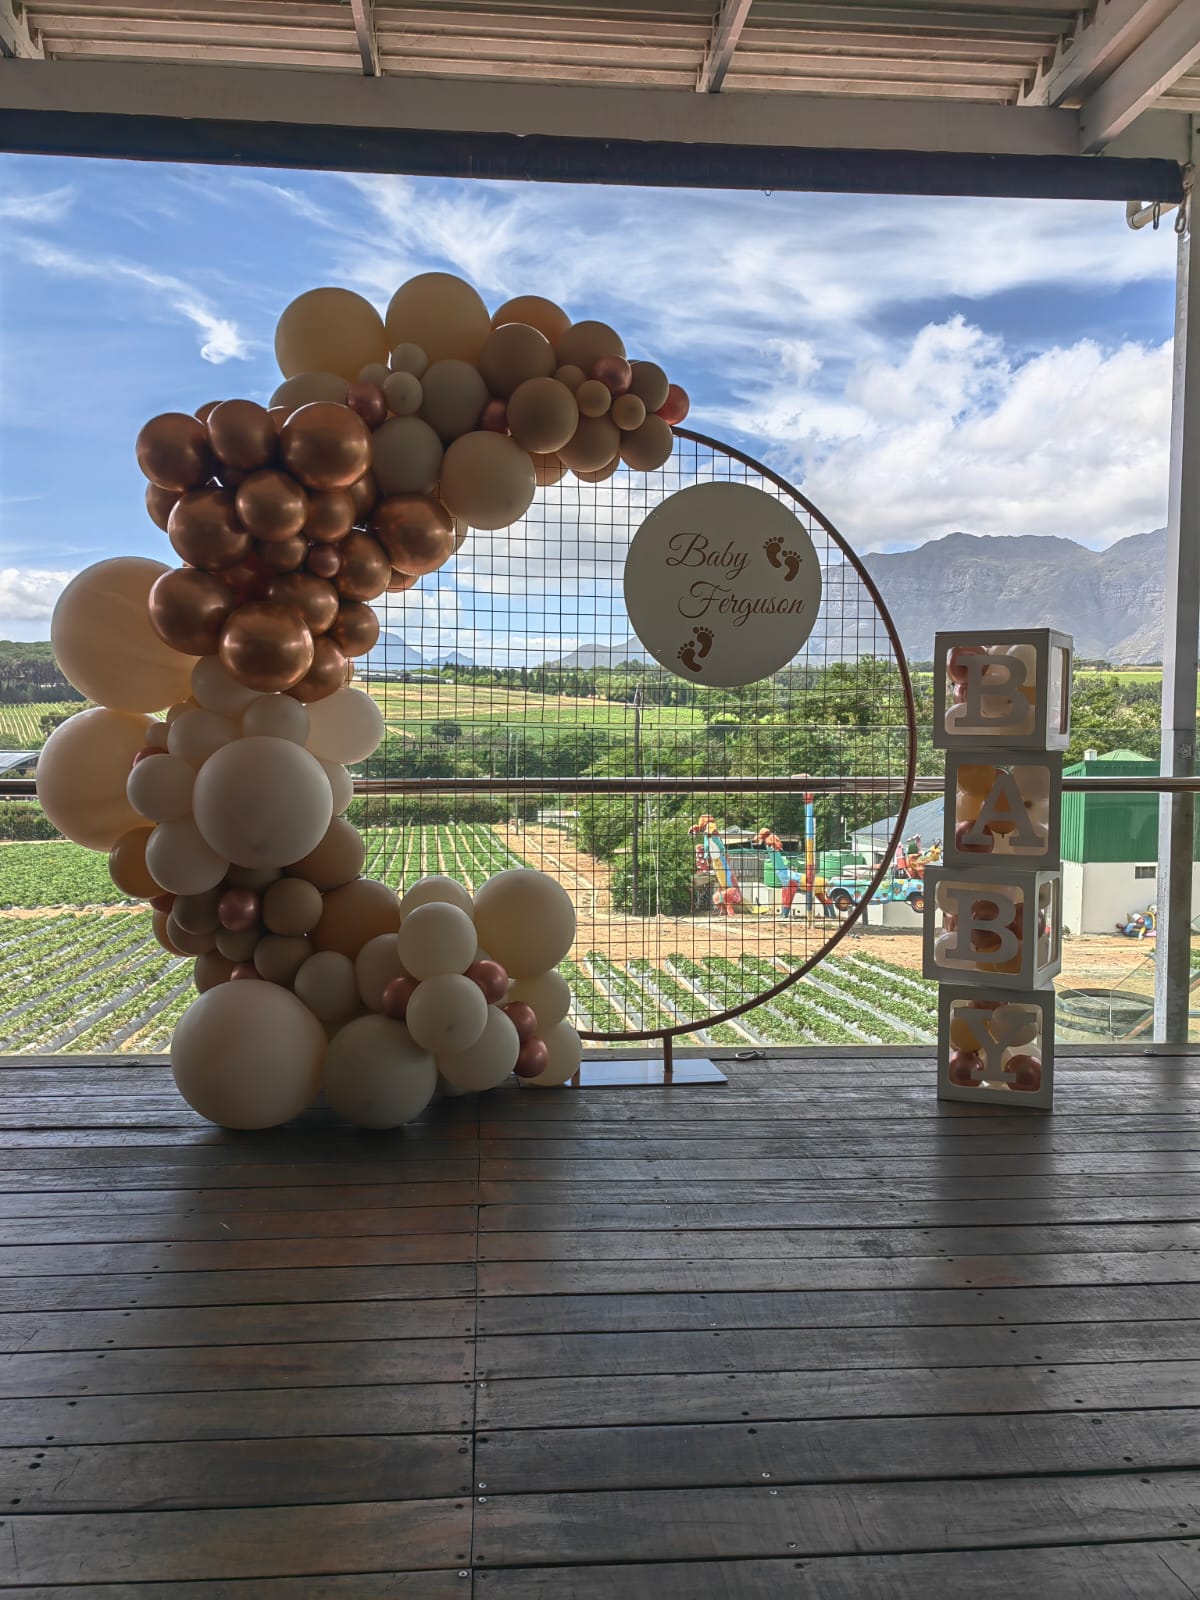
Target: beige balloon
262,802
549,994
596,442
306,388
487,1063
403,393
409,358
584,343
375,1075
447,1013
346,726
239,946
278,957
542,416
160,789
340,782
338,859
441,314
210,970
198,913
453,396
435,938
82,773
248,1055
292,906
437,889
548,470
329,330
182,860
374,372
649,385
355,913
191,944
601,474
512,354
488,480
593,398
526,920
197,734
375,965
327,986
550,320
216,689
649,447
276,716
105,645
565,1049
253,877
406,456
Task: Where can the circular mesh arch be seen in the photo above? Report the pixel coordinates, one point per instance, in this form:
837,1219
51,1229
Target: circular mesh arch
526,725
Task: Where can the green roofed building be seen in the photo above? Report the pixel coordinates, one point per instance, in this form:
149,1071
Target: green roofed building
1109,845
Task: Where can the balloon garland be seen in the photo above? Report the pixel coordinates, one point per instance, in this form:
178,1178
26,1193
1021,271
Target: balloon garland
388,439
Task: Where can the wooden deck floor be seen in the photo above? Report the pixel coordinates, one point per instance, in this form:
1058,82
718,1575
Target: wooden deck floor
808,1334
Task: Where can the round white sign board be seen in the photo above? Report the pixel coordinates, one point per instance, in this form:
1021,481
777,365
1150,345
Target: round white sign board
722,584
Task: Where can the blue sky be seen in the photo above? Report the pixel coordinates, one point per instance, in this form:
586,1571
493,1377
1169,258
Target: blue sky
916,366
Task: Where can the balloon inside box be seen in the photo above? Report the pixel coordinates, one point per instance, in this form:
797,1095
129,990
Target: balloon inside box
388,439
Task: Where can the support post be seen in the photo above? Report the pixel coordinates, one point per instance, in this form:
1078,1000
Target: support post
1181,637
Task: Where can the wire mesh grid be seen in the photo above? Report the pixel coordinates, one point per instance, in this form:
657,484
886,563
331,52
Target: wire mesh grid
526,725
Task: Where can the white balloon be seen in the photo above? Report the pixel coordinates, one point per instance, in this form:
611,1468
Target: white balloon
262,802
341,784
195,735
156,736
437,887
549,994
375,1075
326,985
182,860
526,919
247,1055
218,690
447,1014
160,789
565,1049
346,726
276,716
409,358
488,1061
376,964
437,938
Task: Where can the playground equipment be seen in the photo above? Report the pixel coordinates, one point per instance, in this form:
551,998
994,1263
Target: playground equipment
1140,924
712,858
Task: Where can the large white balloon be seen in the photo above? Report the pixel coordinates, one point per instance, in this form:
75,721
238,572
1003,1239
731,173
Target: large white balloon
488,1061
248,1055
436,887
346,726
195,734
160,789
549,994
437,938
262,802
447,1014
326,985
104,642
375,1075
218,690
565,1049
82,773
276,716
182,860
526,920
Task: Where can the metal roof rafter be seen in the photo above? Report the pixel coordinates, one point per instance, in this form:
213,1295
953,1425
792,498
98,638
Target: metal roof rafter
1157,63
17,39
364,28
727,29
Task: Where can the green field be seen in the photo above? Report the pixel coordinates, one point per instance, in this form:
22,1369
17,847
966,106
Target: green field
414,707
20,726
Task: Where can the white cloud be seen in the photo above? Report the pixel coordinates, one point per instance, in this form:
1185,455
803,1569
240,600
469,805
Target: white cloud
28,594
52,205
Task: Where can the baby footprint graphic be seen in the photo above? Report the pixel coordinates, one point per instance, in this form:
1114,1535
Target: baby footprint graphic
704,642
791,561
687,654
773,549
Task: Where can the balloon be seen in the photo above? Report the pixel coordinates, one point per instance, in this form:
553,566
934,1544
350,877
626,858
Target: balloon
549,994
488,1061
374,372
158,926
266,646
542,415
243,969
326,446
397,992
306,387
401,582
127,865
525,920
314,599
564,1049
347,727
242,434
364,492
188,609
648,447
247,1055
548,470
437,888
159,503
584,343
173,451
494,416
369,401
104,643
277,716
407,456
571,375
415,530
156,735
239,946
615,373
375,966
326,675
194,736
595,443
436,938
239,910
271,505
512,354
676,406
593,398
210,970
355,628
441,314
491,979
365,568
189,944
446,1013
217,690
292,906
523,1018
601,474
409,358
628,412
262,802
355,913
550,320
403,394
278,958
182,860
326,985
488,480
323,561
532,1059
161,789
340,782
453,395
649,384
82,773
329,330
279,556
375,1075
198,913
331,515
336,860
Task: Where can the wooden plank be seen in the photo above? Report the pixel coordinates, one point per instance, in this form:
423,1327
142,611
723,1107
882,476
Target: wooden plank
83,1179
650,1146
447,1585
237,1414
549,1460
700,1190
143,1228
596,1172
189,1475
780,1396
674,1124
274,1541
234,1255
196,1202
707,1524
118,1291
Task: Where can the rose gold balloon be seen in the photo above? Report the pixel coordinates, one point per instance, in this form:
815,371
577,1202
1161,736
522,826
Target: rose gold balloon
249,580
161,902
279,415
355,629
396,995
492,980
242,434
205,531
271,505
401,582
188,609
159,504
494,416
229,477
173,451
614,372
244,969
239,909
523,1018
369,400
202,413
364,492
314,598
676,406
326,675
365,567
325,445
533,1059
416,530
330,515
323,561
283,555
266,646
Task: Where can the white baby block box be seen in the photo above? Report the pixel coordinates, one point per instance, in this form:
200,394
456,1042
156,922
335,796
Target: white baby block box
1007,687
1003,805
996,1045
997,924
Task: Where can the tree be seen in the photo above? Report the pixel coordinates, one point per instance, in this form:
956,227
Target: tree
666,867
447,730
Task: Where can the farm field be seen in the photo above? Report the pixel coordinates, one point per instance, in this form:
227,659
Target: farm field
414,707
21,726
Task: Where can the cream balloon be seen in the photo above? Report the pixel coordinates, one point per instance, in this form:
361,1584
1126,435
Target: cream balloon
105,645
355,914
375,965
160,789
253,877
182,860
191,944
239,946
447,1014
403,393
292,906
248,1055
262,802
375,1074
307,388
441,314
409,358
82,773
435,889
198,913
156,735
340,783
453,396
337,859
326,985
406,456
210,970
437,938
487,480
278,957
346,726
195,735
276,716
329,330
215,689
526,919
549,995
565,1049
487,1062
